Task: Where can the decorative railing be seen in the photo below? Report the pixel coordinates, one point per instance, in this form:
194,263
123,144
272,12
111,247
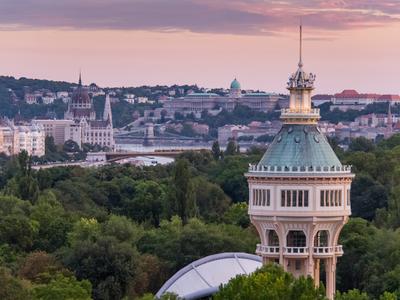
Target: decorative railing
295,250
320,251
299,169
296,112
263,249
328,250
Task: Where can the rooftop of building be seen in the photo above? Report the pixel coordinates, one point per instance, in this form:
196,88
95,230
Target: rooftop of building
300,146
322,97
255,94
235,84
389,98
202,95
353,94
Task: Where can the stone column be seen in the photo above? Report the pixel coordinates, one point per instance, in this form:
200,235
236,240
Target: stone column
316,272
330,269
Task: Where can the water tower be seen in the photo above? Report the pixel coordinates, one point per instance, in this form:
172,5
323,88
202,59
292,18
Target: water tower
300,192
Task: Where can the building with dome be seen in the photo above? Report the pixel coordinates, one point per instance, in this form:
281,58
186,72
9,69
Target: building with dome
299,192
198,102
235,90
80,123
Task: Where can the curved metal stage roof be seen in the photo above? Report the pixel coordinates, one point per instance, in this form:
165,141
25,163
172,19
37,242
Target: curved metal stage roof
204,276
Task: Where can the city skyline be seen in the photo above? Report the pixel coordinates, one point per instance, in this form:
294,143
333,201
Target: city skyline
348,44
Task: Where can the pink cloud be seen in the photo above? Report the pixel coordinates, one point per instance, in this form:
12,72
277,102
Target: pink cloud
251,17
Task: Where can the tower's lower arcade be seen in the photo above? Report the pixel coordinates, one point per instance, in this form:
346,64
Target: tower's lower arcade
302,245
299,216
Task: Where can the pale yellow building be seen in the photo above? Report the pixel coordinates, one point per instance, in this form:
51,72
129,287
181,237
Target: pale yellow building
15,138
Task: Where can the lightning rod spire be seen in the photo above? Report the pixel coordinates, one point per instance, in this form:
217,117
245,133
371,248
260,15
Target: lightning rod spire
301,45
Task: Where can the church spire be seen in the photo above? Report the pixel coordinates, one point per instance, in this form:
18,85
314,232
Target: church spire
107,114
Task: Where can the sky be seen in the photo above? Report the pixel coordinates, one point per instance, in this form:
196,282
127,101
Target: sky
347,43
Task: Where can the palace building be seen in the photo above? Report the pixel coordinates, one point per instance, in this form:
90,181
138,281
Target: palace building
300,192
196,103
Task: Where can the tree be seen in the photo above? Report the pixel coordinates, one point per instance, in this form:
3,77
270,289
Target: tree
16,228
270,282
11,288
361,144
24,184
53,222
39,266
150,275
200,160
63,288
183,197
28,188
210,199
352,295
216,150
229,175
71,146
122,229
24,163
148,202
105,255
108,263
178,245
237,214
367,196
231,148
84,230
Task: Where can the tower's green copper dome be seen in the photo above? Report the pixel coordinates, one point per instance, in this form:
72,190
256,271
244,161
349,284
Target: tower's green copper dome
235,84
300,146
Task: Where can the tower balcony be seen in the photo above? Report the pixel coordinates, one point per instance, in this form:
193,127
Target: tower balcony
295,112
295,251
311,114
270,251
322,252
318,252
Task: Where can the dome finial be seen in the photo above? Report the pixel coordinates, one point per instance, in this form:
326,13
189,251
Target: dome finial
301,44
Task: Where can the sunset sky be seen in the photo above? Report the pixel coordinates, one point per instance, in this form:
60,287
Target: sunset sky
348,43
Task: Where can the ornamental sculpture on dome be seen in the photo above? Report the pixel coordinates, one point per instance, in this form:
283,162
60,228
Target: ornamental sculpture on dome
300,85
301,79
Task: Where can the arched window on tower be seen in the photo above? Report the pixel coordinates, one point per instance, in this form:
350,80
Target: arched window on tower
273,239
321,239
296,238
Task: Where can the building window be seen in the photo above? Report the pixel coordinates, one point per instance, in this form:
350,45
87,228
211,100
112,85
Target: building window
321,239
296,238
273,239
294,198
261,197
348,197
298,264
331,198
